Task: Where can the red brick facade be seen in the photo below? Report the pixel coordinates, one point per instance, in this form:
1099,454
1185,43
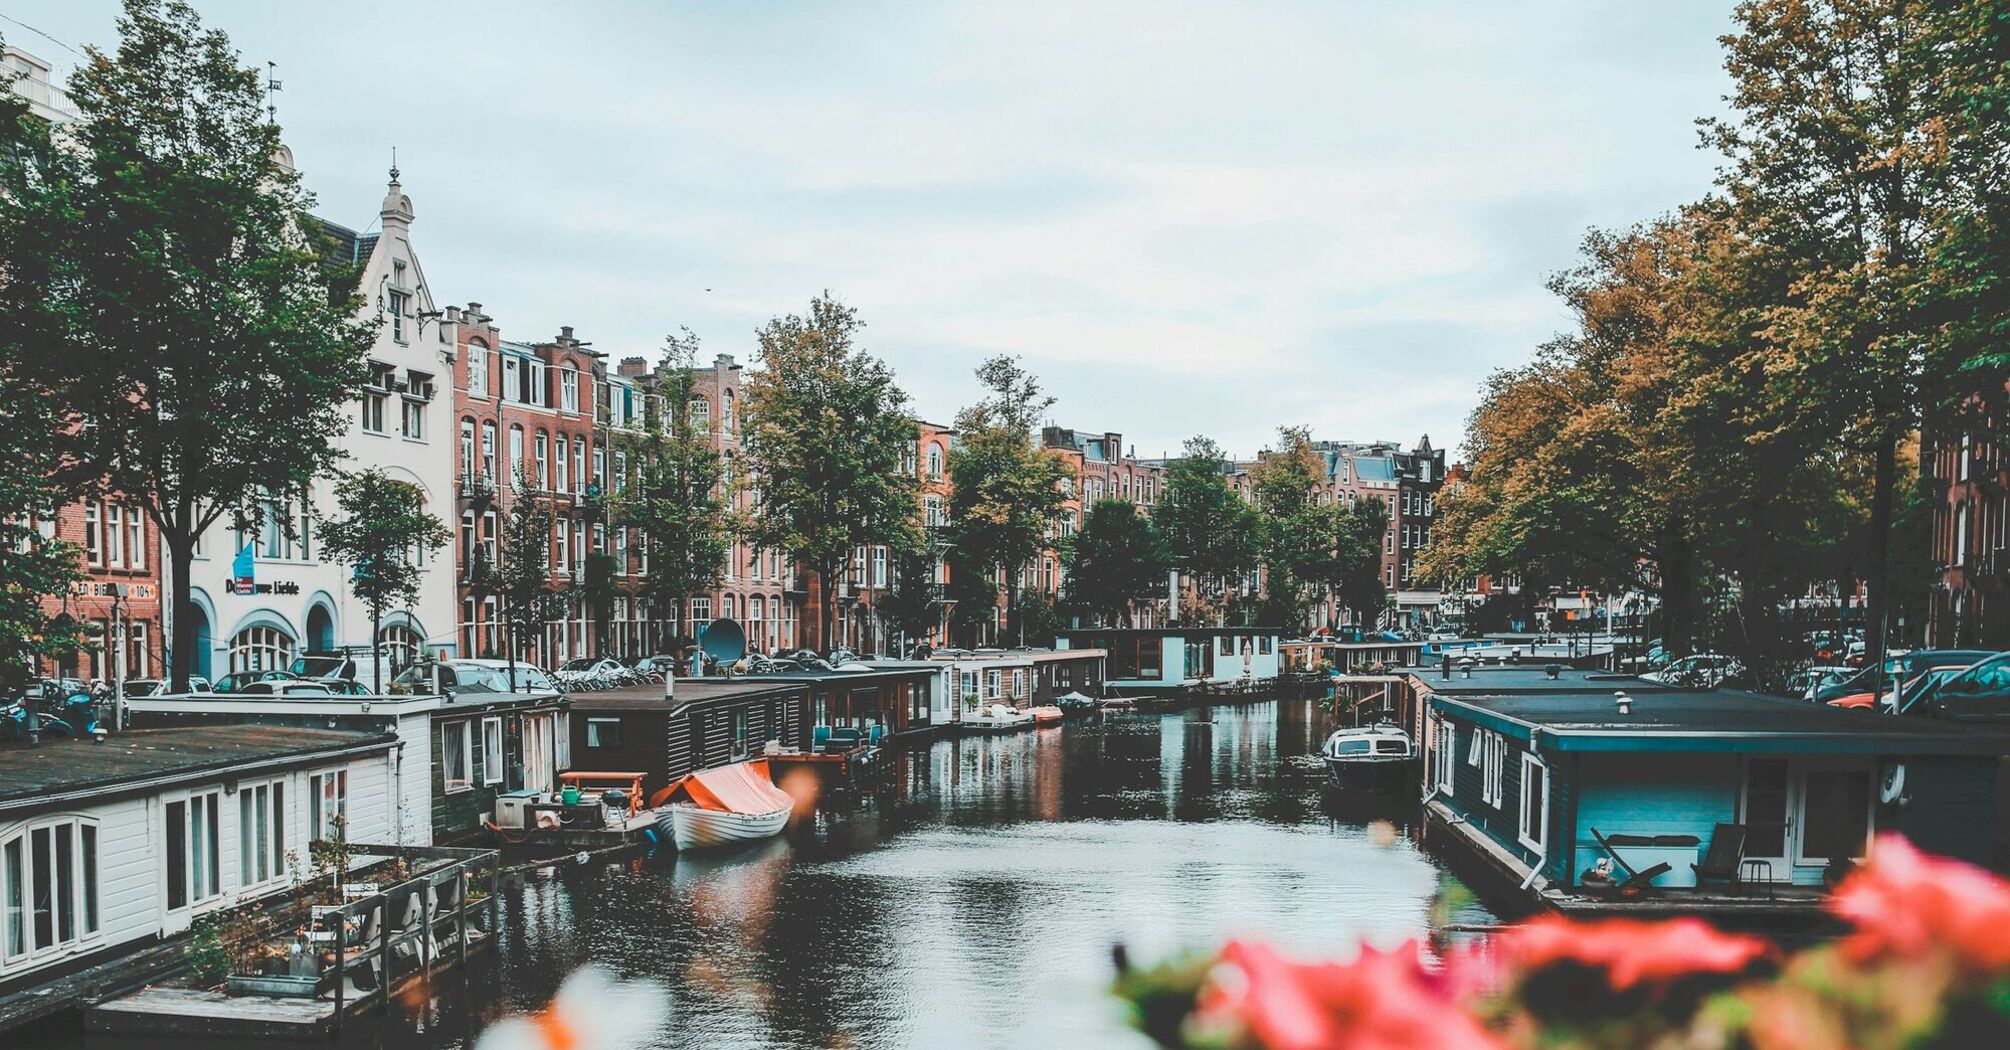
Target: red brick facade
120,554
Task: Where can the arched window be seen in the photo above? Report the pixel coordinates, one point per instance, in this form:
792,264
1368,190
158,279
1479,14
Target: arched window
701,413
558,458
543,460
578,464
261,649
488,448
756,613
400,645
729,412
515,453
726,606
775,622
934,460
467,447
478,368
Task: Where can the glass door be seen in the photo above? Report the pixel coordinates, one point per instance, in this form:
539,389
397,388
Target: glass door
1835,815
1768,816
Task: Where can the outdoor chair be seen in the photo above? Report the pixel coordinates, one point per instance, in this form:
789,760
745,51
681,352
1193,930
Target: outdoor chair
1725,857
820,739
1637,879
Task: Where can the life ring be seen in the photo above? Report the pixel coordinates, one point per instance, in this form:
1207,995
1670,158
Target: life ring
1892,788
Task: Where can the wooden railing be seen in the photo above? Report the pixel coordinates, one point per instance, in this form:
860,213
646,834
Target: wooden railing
408,928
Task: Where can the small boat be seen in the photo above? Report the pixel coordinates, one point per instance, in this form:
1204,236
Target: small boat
998,718
1046,714
1369,758
1116,705
1075,704
722,806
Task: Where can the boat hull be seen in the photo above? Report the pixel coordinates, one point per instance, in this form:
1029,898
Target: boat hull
692,828
1369,773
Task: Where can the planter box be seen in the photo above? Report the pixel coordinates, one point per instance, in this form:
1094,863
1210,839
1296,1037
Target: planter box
281,987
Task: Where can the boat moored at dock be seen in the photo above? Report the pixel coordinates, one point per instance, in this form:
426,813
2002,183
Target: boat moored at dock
723,806
1379,757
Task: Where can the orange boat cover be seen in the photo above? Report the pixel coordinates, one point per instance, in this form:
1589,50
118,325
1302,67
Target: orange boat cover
743,787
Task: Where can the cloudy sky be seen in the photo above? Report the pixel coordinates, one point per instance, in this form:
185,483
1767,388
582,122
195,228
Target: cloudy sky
1189,218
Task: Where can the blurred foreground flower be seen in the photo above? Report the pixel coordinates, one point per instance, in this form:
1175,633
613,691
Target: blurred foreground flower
592,1011
1906,904
1633,952
1380,1001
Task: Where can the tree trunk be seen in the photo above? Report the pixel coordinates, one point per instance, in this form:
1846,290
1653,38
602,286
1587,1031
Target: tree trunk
181,658
509,638
1884,480
376,632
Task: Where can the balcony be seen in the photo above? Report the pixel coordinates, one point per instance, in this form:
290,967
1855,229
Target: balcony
477,487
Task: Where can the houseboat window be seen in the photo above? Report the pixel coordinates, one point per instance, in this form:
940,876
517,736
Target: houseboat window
993,684
492,750
1495,748
561,740
1836,816
1265,645
1534,802
177,849
49,881
1225,646
739,733
1019,683
456,756
1355,747
1478,749
603,732
261,833
1448,756
328,807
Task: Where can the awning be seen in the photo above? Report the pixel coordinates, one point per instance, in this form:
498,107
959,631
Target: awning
743,787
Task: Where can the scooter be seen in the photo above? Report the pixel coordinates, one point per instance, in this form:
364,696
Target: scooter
78,717
20,721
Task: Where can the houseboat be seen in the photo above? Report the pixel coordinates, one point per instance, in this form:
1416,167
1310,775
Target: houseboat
1176,661
461,750
1718,801
708,722
108,849
1343,655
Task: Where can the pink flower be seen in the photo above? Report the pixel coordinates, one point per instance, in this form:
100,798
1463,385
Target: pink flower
1634,952
1380,1001
1905,903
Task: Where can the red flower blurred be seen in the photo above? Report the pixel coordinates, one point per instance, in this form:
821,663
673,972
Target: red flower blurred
1632,951
1380,1001
1906,903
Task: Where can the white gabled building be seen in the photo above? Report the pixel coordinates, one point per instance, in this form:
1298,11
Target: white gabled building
403,424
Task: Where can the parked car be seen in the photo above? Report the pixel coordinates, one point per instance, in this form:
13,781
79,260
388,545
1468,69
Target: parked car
286,687
1904,665
473,676
1979,693
587,665
1803,685
237,680
157,686
662,663
1909,692
1707,670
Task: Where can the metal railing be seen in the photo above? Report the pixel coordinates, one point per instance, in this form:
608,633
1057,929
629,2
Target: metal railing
408,928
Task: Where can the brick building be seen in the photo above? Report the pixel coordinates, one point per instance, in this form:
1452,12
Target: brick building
1968,478
118,601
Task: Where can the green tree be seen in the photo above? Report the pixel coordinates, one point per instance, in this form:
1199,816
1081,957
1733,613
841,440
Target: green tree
381,531
1357,552
35,566
678,504
529,599
1117,561
1005,490
174,309
912,605
825,429
1209,529
1295,532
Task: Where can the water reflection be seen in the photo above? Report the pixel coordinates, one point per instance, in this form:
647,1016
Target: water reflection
973,902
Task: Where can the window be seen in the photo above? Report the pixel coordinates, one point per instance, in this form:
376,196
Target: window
1448,755
512,384
261,649
701,414
543,466
194,859
373,410
934,460
397,310
994,684
559,483
515,454
568,389
492,750
467,448
578,465
94,538
603,732
879,566
488,449
328,805
414,424
1018,683
1534,832
457,756
49,883
739,731
478,369
1492,761
261,833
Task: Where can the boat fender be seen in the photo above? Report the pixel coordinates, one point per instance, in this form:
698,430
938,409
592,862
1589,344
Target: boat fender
1892,789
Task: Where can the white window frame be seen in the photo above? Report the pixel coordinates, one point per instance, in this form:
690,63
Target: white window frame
265,799
595,725
561,741
492,749
450,785
324,806
1495,768
210,805
1540,837
85,896
1448,756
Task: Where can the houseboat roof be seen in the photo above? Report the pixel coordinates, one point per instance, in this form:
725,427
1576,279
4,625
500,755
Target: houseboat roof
65,772
1713,721
689,690
1182,632
879,673
1515,679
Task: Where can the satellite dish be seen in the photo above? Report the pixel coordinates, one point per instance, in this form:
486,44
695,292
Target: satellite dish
723,641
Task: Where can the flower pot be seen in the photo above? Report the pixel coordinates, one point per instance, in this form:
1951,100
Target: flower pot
278,987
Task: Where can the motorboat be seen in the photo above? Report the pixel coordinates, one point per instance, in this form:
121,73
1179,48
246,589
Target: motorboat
1117,705
1046,714
722,806
1369,758
1074,704
998,718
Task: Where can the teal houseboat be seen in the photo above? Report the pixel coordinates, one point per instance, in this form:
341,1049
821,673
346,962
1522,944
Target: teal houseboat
1699,801
1164,660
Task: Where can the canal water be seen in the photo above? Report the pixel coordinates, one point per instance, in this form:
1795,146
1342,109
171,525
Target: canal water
974,903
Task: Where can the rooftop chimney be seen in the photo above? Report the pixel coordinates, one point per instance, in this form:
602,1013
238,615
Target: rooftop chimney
565,333
634,366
